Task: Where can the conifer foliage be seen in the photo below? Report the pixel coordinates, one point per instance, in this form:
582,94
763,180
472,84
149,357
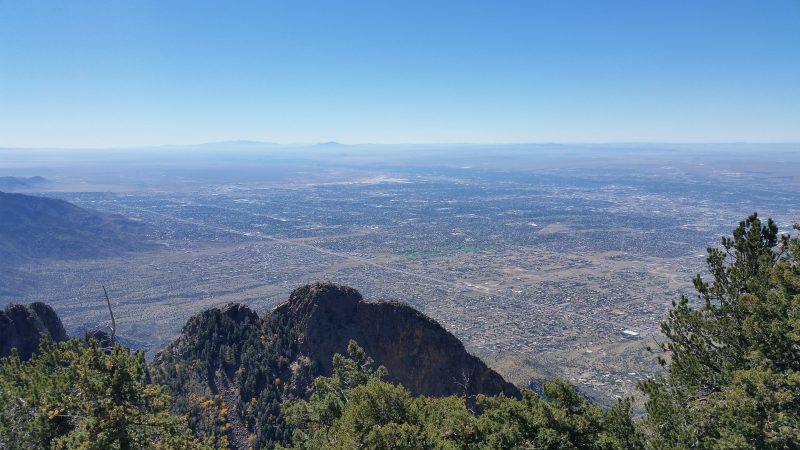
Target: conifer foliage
353,408
75,395
735,354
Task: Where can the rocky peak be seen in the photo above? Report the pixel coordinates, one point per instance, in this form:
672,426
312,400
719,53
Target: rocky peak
240,313
333,301
21,327
418,352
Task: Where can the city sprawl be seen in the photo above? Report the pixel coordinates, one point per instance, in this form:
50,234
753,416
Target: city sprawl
562,268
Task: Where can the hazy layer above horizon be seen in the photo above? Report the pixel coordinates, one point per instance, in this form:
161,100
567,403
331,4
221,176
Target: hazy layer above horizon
181,167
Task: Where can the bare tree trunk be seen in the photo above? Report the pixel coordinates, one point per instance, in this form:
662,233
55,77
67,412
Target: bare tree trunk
113,323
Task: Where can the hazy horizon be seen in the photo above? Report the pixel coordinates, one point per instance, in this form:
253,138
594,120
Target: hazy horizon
251,142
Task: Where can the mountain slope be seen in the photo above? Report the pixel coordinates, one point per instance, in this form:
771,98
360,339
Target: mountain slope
39,227
249,364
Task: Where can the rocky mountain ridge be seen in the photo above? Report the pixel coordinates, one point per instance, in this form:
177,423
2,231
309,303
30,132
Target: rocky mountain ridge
253,363
230,369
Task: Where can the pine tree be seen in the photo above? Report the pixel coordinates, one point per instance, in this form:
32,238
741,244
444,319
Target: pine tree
733,360
354,408
73,395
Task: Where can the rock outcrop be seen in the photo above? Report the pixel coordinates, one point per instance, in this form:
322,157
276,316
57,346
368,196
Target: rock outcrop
418,352
21,327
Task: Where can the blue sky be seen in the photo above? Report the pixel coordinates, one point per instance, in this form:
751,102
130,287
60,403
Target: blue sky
123,73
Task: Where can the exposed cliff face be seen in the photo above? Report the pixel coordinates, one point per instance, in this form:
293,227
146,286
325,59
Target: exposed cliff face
253,363
418,352
21,327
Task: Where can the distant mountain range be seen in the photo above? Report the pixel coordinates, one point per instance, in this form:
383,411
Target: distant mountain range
34,227
11,184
